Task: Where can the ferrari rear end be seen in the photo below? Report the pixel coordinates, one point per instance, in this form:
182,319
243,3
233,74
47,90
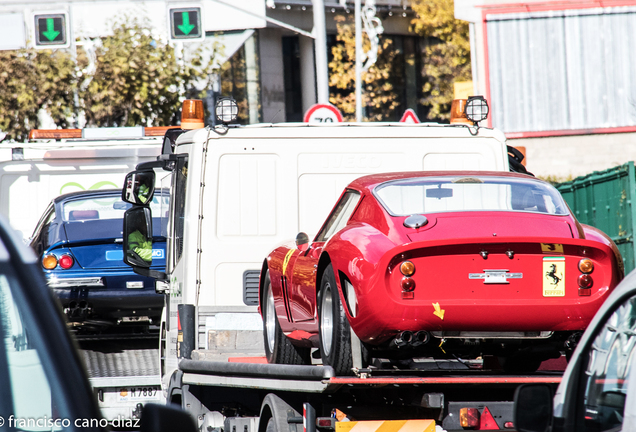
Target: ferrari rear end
522,288
488,265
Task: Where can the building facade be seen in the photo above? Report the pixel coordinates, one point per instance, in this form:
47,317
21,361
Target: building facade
559,79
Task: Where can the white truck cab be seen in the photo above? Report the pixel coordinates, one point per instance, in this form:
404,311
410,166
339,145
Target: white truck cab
239,191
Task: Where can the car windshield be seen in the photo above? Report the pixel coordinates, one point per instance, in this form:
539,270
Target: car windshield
102,208
481,193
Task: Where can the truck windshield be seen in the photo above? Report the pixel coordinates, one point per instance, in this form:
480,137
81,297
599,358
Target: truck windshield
483,193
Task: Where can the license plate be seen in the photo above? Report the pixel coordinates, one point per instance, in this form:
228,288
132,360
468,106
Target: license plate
553,276
127,394
495,276
118,255
135,319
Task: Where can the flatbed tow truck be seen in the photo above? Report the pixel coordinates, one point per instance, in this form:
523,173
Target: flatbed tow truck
235,192
416,396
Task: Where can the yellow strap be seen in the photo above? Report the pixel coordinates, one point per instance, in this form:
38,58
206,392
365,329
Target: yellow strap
387,426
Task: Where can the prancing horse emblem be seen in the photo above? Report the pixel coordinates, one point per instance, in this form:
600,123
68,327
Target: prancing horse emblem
552,274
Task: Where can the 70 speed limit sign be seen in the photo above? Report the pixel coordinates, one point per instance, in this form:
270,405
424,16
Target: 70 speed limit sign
323,113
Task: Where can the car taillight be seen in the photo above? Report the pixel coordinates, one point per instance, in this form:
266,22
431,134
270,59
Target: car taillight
585,281
408,284
586,266
49,262
66,262
407,268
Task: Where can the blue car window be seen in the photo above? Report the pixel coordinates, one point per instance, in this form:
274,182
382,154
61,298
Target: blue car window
100,208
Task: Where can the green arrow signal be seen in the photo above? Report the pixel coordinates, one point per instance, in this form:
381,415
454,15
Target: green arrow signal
50,32
186,27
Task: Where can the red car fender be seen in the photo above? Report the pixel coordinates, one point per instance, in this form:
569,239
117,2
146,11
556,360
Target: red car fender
275,263
592,233
356,252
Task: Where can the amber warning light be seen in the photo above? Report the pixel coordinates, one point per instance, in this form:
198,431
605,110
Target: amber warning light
99,133
192,114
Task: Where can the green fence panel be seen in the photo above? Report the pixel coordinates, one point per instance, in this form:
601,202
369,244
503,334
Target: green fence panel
603,199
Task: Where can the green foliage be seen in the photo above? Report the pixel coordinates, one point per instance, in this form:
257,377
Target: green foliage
447,54
378,91
30,80
137,79
130,79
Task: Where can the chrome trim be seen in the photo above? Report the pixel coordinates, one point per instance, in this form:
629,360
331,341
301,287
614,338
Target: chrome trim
55,282
495,276
491,335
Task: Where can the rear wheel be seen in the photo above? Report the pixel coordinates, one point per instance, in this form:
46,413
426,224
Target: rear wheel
278,348
334,330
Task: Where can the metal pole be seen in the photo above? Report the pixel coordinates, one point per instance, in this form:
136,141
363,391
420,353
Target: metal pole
320,35
358,20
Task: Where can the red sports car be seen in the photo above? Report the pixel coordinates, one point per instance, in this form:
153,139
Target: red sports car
436,264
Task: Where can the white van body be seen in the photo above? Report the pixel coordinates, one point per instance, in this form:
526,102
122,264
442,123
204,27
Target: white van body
257,186
32,174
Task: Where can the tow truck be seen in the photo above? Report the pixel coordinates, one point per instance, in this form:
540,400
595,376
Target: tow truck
238,190
58,161
124,374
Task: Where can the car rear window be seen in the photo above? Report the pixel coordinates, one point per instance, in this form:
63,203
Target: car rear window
482,193
101,208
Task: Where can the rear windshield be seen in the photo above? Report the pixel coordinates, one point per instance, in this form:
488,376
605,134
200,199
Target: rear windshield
103,218
451,194
102,208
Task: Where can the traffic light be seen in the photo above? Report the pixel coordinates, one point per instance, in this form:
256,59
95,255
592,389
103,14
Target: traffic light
51,30
185,24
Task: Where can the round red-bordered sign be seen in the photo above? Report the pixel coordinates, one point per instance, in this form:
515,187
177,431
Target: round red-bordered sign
323,113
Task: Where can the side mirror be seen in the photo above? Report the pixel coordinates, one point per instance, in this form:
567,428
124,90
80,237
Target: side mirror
138,237
302,241
533,408
166,418
139,187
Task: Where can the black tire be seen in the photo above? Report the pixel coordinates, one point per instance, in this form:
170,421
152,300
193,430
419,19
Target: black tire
334,331
278,348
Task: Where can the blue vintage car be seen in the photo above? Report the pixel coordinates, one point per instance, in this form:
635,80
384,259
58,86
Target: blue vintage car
79,241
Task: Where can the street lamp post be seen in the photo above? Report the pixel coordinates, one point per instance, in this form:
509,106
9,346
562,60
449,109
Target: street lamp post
359,55
320,38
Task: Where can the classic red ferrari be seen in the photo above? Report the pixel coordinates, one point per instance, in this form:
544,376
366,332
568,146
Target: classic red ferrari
438,264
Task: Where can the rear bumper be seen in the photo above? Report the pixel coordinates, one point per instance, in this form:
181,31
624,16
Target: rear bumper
109,296
448,298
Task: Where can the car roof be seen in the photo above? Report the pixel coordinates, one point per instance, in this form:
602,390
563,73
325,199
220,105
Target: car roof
98,193
373,180
88,194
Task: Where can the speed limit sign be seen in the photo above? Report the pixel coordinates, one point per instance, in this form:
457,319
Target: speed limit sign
323,113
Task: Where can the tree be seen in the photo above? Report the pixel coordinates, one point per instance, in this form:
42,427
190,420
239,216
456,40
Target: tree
447,53
128,79
378,96
31,80
137,80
